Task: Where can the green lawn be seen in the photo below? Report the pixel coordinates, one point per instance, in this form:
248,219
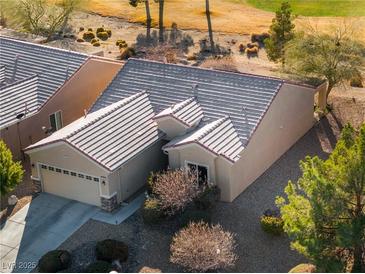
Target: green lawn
315,7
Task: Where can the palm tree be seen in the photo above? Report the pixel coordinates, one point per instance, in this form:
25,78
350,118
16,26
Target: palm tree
134,3
210,29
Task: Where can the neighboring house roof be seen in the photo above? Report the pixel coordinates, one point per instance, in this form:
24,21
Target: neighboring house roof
219,137
112,135
188,112
18,97
2,74
21,60
219,93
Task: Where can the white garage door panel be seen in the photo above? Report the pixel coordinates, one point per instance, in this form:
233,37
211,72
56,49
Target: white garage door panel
71,187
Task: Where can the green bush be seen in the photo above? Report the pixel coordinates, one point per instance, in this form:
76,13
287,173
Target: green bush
109,32
110,250
127,53
272,224
81,29
151,212
208,198
100,30
150,182
99,267
54,261
96,44
303,268
88,35
102,35
80,40
121,44
195,215
90,29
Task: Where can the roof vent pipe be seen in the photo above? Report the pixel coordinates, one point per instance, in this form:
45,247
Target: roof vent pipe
195,90
67,72
15,67
85,113
244,111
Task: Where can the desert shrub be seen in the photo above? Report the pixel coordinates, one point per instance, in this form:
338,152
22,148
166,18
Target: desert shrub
147,269
80,40
102,35
253,45
201,247
259,38
271,222
96,44
110,250
150,181
195,215
81,29
109,32
90,29
54,261
127,53
191,57
175,189
94,40
151,211
121,44
208,198
223,63
252,51
100,30
303,268
87,36
356,82
99,267
242,48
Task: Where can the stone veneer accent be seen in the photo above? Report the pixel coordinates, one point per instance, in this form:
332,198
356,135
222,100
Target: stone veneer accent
37,186
109,204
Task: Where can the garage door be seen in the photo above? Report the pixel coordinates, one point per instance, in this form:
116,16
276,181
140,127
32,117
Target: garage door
70,184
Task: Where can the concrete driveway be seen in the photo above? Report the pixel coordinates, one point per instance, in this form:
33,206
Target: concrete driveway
40,226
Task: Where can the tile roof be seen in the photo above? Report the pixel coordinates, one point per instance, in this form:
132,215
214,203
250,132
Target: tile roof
52,66
2,74
18,97
244,98
188,112
219,137
112,135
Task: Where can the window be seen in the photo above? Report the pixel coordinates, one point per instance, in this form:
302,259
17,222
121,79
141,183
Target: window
96,179
73,173
44,166
66,172
88,177
51,168
58,170
200,171
81,175
56,120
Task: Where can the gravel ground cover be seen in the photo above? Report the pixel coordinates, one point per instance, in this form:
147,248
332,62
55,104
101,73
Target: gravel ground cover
257,251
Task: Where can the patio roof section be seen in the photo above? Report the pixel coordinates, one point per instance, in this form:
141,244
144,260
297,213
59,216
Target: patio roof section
53,66
218,137
188,112
112,135
18,100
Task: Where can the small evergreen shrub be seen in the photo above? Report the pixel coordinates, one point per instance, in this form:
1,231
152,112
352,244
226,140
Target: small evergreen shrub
259,38
252,51
121,44
252,45
208,198
80,40
102,35
99,267
303,268
195,215
87,36
110,250
151,212
127,53
271,222
109,32
54,261
90,29
81,29
100,30
242,48
96,44
150,181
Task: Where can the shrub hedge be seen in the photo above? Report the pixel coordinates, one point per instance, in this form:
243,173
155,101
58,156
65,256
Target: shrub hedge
103,35
208,198
88,35
54,261
99,267
151,212
271,222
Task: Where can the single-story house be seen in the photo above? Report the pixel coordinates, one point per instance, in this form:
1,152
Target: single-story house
227,127
38,87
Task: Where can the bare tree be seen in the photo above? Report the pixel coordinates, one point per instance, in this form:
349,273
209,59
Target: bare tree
161,4
210,29
175,189
134,3
200,247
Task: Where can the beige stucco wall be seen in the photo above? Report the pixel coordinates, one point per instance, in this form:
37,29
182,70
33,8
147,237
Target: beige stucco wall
133,175
63,156
218,167
76,95
289,118
171,127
